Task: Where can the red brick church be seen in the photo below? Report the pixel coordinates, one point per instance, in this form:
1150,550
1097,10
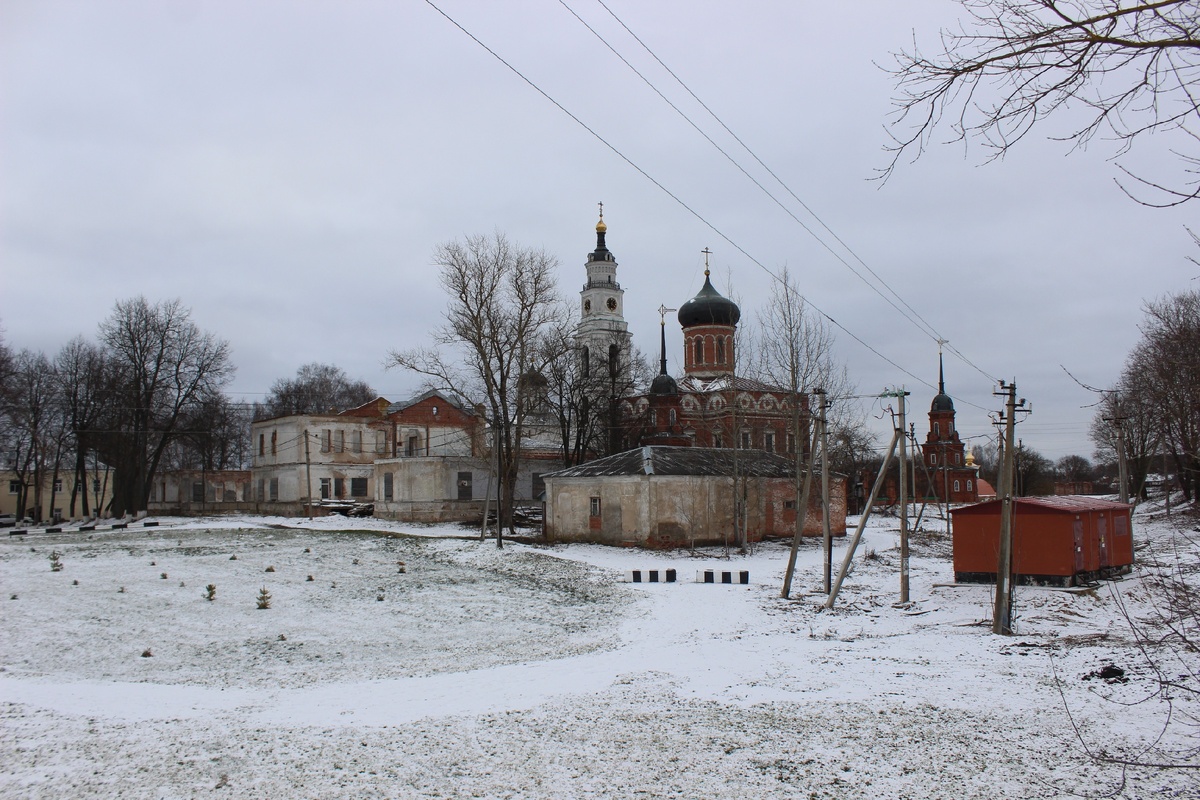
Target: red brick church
947,473
711,406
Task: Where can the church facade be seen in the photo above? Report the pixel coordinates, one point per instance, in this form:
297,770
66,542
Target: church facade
947,473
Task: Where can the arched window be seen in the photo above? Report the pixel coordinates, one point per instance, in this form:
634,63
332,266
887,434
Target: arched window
958,458
936,430
969,487
956,486
933,459
699,347
585,357
720,349
614,360
274,439
671,416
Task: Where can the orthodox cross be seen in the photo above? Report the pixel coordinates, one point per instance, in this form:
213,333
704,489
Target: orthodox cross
707,253
662,314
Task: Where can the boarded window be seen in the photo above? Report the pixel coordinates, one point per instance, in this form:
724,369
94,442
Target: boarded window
380,442
262,490
358,441
465,486
274,489
274,440
341,441
326,439
339,487
197,492
358,487
387,486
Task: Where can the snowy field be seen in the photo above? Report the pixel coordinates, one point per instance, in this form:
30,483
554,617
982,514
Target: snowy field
536,672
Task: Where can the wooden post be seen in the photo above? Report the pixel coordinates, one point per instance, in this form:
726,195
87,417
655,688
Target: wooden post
903,501
801,513
308,473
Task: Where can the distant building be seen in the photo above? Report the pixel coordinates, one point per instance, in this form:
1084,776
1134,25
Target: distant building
711,406
425,459
946,474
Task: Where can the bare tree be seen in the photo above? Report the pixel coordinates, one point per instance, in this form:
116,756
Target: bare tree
503,303
167,368
35,431
1074,468
316,389
1129,66
1130,411
86,385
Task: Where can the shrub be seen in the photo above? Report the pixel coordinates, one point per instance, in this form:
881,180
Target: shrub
56,564
146,653
270,569
233,557
309,578
164,576
210,592
264,598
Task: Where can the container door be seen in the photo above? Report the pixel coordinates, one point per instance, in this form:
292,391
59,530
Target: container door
1079,562
1102,534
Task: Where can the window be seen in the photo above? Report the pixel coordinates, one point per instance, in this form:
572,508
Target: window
539,485
274,439
653,418
387,486
671,416
14,487
197,492
262,444
358,487
95,484
936,430
969,486
58,484
380,442
720,349
413,445
339,487
594,510
341,441
358,441
769,442
326,440
324,488
933,459
585,356
958,458
465,490
262,489
717,440
274,489
956,484
791,443
745,440
698,356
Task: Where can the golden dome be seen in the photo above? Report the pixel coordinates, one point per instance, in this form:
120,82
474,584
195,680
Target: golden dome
600,226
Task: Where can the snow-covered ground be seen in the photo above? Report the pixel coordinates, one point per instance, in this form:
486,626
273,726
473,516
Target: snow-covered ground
536,672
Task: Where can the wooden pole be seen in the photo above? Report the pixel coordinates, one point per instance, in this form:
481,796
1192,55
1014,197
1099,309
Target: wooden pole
826,531
308,473
903,502
1002,609
880,479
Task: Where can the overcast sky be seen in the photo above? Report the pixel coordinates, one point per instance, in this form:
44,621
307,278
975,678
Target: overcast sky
287,169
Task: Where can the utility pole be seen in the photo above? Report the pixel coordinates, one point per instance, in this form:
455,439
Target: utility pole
1118,422
880,480
826,531
903,500
1002,610
308,473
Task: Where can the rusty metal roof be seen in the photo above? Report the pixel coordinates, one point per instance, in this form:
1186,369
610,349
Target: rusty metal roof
664,460
1068,504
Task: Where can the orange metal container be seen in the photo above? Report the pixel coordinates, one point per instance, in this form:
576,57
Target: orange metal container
1056,540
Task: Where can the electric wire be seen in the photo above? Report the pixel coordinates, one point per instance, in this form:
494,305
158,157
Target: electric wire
920,321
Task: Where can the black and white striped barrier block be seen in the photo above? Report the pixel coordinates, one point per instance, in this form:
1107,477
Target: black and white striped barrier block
650,576
723,576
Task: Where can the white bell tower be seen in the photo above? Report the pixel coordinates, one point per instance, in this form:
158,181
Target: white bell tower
603,333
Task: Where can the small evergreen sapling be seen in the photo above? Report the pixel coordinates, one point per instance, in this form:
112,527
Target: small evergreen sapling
264,598
210,592
56,564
